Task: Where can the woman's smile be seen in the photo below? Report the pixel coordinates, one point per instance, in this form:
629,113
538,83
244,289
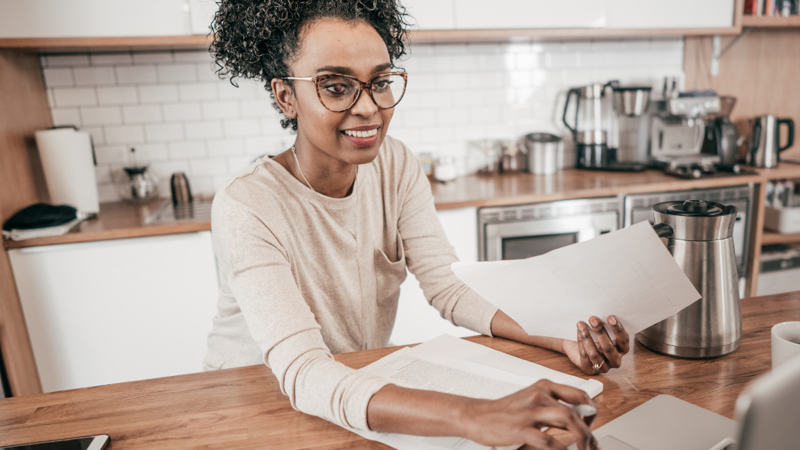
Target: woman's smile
364,136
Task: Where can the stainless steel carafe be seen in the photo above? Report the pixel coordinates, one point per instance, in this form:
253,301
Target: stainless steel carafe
699,237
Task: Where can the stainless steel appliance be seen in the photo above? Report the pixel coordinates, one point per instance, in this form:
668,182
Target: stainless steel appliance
678,130
638,208
722,136
700,238
545,153
522,231
181,192
765,141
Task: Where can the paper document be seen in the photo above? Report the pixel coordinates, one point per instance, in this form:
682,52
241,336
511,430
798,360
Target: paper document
628,273
451,365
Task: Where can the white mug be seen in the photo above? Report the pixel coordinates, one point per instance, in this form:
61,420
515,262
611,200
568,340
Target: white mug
785,342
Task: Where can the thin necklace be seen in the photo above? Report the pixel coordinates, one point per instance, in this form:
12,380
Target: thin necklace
322,200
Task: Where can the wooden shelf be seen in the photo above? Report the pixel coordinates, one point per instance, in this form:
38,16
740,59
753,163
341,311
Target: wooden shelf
770,237
770,21
71,45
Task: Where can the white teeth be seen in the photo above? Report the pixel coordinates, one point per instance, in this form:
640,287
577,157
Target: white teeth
362,134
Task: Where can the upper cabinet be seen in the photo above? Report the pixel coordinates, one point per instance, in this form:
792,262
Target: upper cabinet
633,14
431,14
519,14
93,18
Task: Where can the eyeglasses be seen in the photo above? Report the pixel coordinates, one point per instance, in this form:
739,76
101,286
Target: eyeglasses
339,93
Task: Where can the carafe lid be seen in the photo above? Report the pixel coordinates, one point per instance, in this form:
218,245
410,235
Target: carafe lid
696,220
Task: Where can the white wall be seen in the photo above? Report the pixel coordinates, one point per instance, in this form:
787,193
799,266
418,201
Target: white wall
181,117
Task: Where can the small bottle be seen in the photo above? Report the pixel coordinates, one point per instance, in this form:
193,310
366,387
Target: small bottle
426,160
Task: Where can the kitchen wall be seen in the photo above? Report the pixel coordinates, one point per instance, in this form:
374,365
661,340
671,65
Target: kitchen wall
179,116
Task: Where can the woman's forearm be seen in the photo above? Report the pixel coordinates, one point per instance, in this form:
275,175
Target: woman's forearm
505,327
412,411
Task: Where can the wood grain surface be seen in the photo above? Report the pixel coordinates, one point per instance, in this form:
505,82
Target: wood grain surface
23,110
243,408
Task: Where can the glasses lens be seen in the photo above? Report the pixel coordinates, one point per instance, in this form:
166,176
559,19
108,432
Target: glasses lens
388,89
337,93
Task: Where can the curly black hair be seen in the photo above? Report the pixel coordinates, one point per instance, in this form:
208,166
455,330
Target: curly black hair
258,39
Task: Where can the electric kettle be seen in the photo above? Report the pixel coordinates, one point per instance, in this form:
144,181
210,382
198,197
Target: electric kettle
699,237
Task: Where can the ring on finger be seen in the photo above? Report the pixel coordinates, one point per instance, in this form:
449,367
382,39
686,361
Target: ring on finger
597,366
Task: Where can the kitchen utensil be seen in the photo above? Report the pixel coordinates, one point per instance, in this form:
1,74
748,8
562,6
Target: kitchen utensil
136,184
721,135
514,157
545,153
699,236
444,169
631,101
181,193
765,141
785,342
590,129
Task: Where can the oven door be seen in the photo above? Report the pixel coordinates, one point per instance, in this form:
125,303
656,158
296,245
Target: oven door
527,238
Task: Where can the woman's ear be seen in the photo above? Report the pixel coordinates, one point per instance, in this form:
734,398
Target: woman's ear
284,96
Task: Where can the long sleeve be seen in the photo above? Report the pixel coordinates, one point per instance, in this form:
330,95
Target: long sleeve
258,272
429,254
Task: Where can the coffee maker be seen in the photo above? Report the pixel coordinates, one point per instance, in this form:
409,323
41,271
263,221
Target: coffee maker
595,129
722,137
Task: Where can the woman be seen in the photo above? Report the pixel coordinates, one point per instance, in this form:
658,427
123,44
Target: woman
313,243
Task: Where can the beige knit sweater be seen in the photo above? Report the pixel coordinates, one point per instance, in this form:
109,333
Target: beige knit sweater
300,280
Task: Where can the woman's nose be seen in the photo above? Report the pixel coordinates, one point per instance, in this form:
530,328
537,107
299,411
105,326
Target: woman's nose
364,106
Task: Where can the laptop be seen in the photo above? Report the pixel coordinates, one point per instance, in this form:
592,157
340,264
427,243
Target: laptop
767,413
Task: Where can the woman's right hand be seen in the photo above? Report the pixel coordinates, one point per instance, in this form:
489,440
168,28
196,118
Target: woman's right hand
519,417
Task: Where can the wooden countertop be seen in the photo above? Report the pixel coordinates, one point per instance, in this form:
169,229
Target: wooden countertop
121,220
243,408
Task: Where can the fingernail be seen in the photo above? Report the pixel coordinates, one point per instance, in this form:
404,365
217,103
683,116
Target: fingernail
612,320
593,321
581,326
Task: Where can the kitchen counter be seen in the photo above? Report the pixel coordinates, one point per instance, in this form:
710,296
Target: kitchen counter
243,408
121,220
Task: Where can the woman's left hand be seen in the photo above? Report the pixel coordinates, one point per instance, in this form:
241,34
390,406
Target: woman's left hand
602,356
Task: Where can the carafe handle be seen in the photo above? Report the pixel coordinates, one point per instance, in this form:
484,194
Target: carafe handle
663,230
790,137
577,93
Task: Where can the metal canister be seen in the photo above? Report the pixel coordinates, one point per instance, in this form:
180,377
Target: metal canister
545,153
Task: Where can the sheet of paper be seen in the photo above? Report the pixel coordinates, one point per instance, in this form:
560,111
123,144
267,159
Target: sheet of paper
628,273
451,365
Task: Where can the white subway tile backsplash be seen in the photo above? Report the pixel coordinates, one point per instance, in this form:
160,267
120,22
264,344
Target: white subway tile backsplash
67,116
153,57
182,111
142,114
158,93
225,147
94,76
78,60
126,134
207,167
58,77
177,73
74,96
165,132
197,91
136,74
123,95
203,130
223,110
187,150
107,115
111,59
180,116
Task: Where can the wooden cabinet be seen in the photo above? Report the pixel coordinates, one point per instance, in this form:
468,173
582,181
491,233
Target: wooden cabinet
93,18
417,321
120,310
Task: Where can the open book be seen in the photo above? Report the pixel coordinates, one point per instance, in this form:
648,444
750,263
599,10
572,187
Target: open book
455,366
